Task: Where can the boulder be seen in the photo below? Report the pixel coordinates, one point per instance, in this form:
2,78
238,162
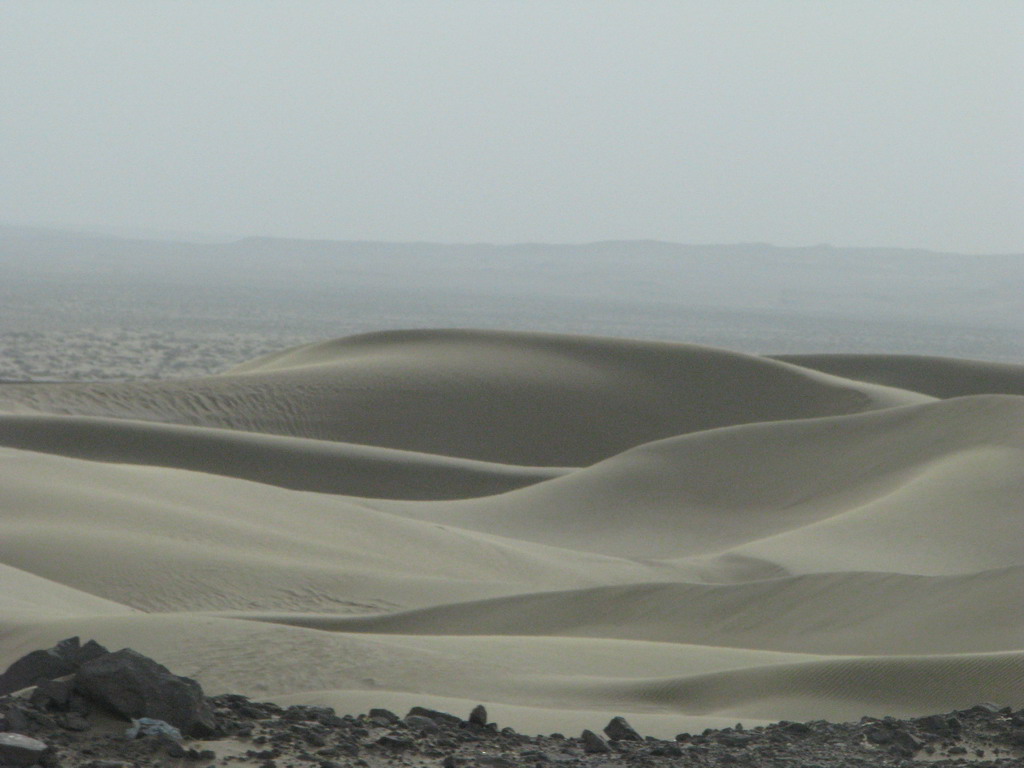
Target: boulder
437,717
34,668
479,715
15,720
134,686
394,742
733,739
619,730
382,717
594,744
52,694
19,750
421,723
63,659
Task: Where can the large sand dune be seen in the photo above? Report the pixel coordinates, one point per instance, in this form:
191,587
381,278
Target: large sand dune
936,376
528,399
564,528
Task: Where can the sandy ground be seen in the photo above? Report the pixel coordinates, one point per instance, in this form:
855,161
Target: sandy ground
563,528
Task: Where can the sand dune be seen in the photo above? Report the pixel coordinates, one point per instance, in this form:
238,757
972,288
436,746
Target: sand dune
935,376
527,399
865,613
298,463
564,528
715,491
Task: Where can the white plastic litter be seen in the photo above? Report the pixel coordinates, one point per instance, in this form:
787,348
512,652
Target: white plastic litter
147,726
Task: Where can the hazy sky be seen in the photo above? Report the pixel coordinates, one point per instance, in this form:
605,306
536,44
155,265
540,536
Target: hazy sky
852,123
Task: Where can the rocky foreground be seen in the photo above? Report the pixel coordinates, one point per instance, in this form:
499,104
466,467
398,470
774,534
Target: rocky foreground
82,706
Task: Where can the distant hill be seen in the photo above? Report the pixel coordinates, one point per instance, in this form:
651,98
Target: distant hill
753,296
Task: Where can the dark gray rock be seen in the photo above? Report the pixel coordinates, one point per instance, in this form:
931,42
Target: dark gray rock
394,742
52,694
19,750
385,716
437,717
594,744
619,730
479,715
61,660
173,748
733,739
78,654
666,749
134,686
906,743
34,668
16,720
795,729
985,708
879,735
491,761
72,721
421,723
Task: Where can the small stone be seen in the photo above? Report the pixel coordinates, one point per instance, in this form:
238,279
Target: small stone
594,744
174,749
385,716
19,750
479,715
879,736
666,750
734,739
619,730
492,761
933,723
72,721
906,742
796,729
985,708
393,742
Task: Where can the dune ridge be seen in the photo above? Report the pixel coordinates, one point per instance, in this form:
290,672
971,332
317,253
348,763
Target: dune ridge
564,528
301,464
514,398
936,376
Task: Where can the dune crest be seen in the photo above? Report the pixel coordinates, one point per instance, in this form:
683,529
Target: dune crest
516,398
561,527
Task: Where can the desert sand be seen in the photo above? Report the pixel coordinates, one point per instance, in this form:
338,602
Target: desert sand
563,528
